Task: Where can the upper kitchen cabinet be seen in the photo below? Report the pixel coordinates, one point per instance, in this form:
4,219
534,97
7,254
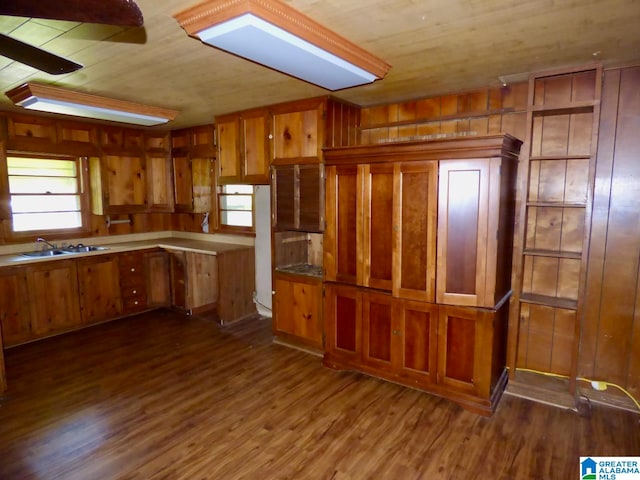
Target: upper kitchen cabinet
118,184
302,129
243,147
298,197
193,156
159,172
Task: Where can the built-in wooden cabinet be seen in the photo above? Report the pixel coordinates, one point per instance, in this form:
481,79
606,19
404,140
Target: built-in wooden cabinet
193,156
99,288
158,279
298,309
298,197
53,297
118,184
133,282
243,147
394,306
15,315
552,242
159,182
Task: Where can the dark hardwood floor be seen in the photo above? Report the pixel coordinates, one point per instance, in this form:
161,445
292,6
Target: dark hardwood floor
161,396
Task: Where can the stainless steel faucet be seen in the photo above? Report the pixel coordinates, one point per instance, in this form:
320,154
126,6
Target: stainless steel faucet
40,239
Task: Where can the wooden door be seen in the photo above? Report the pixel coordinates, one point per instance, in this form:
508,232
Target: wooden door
377,225
228,149
310,197
158,279
465,349
124,180
298,308
202,177
343,224
378,330
99,287
178,269
463,236
343,323
296,136
284,197
15,318
53,296
202,272
414,230
255,158
159,183
183,184
416,345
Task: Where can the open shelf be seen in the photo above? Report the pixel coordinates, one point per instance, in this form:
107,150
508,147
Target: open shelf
552,253
542,158
557,204
555,302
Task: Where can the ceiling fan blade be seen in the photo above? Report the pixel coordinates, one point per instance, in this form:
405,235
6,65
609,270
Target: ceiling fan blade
36,57
110,12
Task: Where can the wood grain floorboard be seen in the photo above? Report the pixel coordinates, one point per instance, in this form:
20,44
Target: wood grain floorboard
162,397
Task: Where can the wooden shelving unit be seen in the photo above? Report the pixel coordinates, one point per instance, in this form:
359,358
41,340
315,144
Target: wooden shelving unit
556,176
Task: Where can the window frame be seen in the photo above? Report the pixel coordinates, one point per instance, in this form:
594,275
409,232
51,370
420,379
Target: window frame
223,228
83,193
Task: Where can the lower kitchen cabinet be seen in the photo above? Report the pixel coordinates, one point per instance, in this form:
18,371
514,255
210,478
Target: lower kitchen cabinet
133,282
99,288
453,352
194,281
158,279
53,297
15,316
297,316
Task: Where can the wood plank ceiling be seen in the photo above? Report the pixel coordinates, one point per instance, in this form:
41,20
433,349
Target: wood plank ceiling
434,47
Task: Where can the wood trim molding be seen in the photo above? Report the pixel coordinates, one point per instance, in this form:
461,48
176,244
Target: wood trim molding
212,12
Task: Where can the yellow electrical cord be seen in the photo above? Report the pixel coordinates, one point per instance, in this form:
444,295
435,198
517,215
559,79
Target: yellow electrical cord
582,379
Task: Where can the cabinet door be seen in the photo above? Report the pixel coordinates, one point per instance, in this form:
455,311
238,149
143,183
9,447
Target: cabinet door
228,149
159,183
310,197
465,349
183,184
255,159
284,197
124,181
178,269
377,228
202,272
53,296
463,209
14,306
296,136
99,287
378,331
343,323
158,279
416,345
202,177
414,230
342,214
298,309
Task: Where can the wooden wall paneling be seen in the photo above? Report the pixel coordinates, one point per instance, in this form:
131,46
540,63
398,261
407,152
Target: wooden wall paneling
610,342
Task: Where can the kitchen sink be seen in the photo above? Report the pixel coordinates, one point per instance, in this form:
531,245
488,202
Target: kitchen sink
45,253
70,249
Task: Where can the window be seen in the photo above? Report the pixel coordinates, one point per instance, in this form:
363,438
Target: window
45,193
235,206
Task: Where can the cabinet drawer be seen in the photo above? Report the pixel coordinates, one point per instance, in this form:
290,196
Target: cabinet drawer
134,291
135,303
132,279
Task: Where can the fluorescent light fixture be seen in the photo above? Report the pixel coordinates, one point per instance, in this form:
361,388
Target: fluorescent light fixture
271,33
50,99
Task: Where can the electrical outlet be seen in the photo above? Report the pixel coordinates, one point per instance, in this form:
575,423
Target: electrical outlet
599,385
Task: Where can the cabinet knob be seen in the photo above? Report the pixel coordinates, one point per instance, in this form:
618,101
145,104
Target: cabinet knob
135,291
133,269
271,136
135,303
